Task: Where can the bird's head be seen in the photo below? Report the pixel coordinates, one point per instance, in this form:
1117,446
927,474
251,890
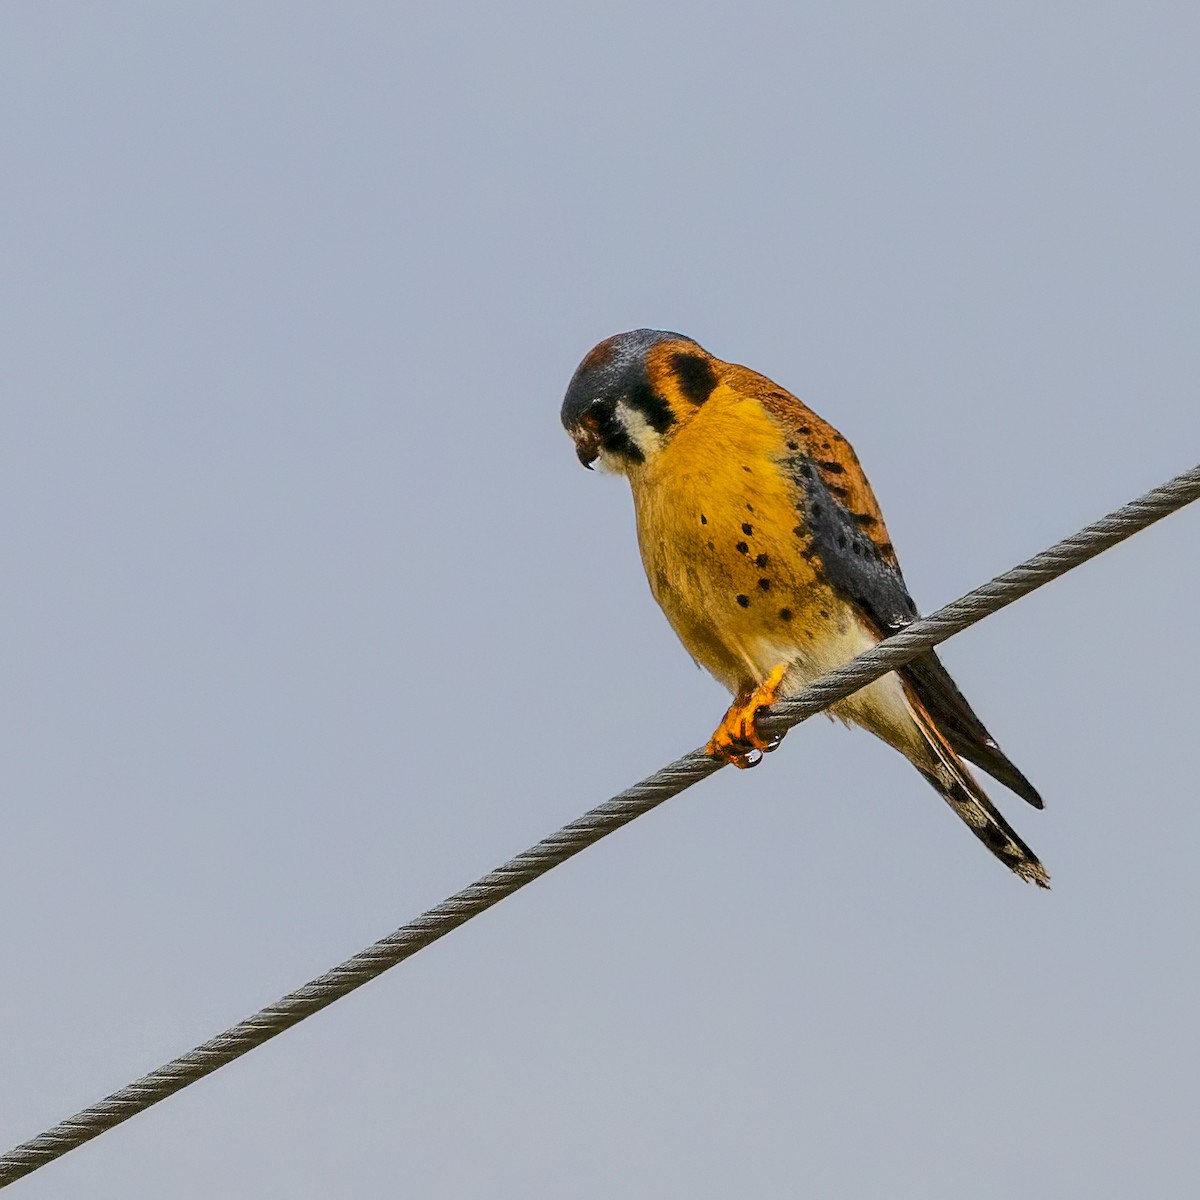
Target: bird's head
631,394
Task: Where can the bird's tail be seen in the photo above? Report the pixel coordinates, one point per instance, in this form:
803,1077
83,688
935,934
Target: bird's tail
959,788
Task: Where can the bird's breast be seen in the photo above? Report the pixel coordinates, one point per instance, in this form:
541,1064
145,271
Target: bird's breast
728,556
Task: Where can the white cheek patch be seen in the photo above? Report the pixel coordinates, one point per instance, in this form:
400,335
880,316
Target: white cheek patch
641,433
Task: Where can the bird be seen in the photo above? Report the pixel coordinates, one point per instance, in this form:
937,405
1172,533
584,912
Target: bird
766,549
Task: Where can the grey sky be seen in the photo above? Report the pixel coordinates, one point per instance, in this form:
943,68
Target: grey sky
311,615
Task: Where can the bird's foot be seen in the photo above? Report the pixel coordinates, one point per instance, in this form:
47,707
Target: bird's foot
737,740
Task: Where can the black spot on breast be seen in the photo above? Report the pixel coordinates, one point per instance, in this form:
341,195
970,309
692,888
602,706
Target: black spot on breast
749,507
786,614
744,601
761,561
865,520
841,541
806,470
695,376
764,585
742,548
793,445
824,614
747,529
712,545
834,468
748,471
816,510
703,519
803,430
857,547
799,531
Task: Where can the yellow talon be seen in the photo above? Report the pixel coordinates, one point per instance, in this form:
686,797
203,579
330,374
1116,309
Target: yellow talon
737,740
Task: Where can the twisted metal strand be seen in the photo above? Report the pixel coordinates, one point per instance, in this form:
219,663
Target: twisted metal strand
588,829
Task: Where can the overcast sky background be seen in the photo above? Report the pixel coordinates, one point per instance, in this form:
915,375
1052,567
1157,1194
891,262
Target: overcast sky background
310,616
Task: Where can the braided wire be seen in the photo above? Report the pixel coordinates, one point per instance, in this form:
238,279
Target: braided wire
588,829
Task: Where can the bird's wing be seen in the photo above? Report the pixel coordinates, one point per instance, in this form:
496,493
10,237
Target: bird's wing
849,538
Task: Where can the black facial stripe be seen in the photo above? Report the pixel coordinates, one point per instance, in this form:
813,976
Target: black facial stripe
695,375
623,445
614,437
652,406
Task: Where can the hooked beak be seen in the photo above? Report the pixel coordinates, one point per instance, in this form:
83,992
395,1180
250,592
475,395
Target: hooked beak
587,440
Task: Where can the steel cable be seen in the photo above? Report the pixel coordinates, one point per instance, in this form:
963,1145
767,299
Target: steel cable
589,829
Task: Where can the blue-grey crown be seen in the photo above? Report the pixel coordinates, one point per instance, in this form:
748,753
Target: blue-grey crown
614,370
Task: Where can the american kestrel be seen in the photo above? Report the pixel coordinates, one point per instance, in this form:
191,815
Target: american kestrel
766,550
